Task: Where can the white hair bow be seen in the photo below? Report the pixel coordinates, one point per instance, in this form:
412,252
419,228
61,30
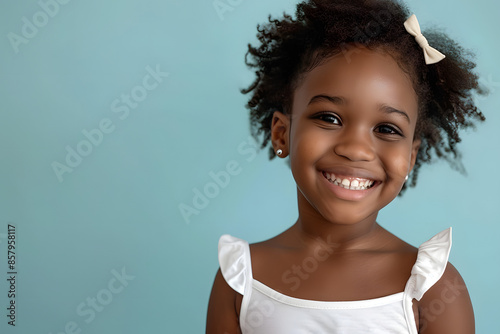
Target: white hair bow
431,55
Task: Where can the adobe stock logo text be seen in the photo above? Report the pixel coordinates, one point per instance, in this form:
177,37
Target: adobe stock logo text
31,26
94,137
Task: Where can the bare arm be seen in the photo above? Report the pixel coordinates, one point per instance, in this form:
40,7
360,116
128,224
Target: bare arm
222,317
446,308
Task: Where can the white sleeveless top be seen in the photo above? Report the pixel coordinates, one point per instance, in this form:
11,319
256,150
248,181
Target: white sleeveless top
266,311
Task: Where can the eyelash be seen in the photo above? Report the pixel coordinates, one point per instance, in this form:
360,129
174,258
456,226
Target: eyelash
393,130
324,115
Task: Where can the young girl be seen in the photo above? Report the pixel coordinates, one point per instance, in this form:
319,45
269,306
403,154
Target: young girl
358,99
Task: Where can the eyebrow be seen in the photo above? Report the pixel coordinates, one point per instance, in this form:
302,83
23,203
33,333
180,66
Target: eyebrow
390,110
340,100
332,99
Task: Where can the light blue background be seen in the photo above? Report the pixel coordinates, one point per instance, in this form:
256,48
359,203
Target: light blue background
120,207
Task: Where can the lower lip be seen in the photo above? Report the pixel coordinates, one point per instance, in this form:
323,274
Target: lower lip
347,194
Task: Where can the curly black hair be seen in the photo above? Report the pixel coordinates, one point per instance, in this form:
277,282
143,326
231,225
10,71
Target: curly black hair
290,47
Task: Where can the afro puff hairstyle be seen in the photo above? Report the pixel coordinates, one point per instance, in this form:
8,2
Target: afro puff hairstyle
290,47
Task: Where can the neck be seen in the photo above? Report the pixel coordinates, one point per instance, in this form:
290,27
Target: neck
312,227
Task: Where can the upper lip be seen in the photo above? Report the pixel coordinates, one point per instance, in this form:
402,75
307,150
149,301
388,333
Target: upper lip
350,172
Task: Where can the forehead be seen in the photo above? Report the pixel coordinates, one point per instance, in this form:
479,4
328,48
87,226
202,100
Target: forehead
361,77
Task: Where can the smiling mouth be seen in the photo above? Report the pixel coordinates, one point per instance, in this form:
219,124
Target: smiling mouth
349,183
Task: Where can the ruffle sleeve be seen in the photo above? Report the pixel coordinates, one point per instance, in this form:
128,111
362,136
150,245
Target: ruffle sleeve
431,262
430,265
235,263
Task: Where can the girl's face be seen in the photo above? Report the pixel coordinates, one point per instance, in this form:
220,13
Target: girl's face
350,136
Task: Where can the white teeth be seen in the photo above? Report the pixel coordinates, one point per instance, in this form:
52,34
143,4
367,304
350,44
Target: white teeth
347,184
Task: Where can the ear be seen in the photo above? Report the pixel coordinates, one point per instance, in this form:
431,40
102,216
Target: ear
280,130
414,152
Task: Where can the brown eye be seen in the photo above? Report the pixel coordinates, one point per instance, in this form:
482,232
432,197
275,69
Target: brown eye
328,118
388,129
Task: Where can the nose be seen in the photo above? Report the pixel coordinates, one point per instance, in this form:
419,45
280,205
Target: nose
355,146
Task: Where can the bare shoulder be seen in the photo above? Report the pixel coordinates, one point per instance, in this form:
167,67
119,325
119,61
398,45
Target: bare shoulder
223,308
265,255
446,307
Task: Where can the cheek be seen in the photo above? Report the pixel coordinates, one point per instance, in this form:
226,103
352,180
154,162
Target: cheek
308,144
398,162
